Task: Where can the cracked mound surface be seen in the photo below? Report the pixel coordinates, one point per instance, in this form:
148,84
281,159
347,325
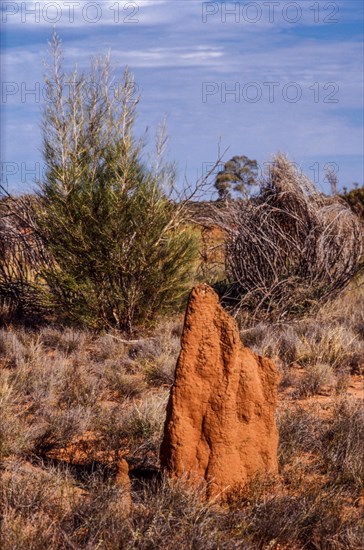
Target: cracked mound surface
220,422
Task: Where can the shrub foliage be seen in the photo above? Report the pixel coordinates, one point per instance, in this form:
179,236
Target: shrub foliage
355,199
121,247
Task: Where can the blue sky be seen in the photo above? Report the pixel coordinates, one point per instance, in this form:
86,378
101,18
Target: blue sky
296,70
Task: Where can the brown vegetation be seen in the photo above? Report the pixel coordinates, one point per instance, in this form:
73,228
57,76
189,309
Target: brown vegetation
60,385
109,246
289,249
355,199
22,258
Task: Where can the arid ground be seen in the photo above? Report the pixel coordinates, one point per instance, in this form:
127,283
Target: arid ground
73,403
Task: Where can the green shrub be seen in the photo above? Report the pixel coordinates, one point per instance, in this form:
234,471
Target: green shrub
121,246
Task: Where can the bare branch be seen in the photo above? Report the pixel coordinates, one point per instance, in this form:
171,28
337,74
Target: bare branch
288,249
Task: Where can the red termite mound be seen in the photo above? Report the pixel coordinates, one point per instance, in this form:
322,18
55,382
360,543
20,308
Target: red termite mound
220,423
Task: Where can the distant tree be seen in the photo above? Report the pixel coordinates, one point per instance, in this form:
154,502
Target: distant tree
239,174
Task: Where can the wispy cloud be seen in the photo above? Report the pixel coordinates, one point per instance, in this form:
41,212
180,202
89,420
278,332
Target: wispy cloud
174,53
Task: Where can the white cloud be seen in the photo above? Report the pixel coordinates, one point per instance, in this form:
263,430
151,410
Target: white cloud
173,52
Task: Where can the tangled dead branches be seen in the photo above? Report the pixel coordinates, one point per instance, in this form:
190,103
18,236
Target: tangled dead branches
288,249
22,256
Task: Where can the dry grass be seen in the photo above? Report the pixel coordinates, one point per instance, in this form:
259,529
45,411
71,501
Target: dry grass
57,385
333,337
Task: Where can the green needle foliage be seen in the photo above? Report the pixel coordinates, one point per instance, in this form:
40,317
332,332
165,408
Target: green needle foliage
122,250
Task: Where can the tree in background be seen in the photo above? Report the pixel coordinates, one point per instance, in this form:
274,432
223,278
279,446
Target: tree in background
239,174
121,248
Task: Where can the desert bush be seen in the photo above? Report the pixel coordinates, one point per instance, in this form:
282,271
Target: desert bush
45,399
334,344
160,372
33,501
300,431
327,348
290,248
158,356
12,348
66,340
336,442
317,378
137,425
108,347
171,513
343,379
44,508
55,429
308,520
344,444
15,436
332,337
122,249
122,384
78,386
355,199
